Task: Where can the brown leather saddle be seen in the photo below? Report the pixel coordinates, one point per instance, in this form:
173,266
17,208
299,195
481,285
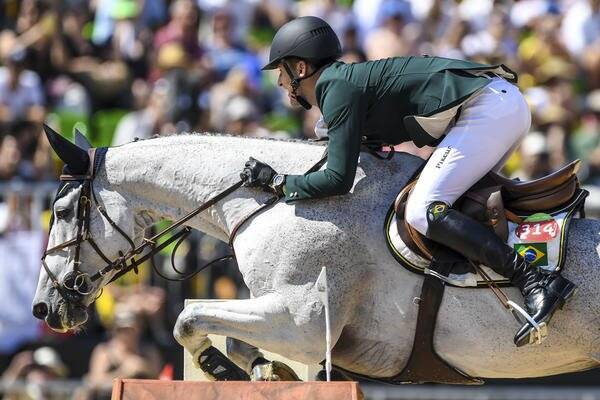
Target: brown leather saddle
495,200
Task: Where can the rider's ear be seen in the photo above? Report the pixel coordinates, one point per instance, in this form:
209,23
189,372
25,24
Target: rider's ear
300,68
77,159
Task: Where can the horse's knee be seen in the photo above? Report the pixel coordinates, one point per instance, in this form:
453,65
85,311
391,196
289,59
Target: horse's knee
186,329
415,215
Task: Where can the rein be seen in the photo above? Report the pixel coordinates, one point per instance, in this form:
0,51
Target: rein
77,284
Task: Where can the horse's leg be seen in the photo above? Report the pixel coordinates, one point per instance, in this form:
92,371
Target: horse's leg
242,353
264,321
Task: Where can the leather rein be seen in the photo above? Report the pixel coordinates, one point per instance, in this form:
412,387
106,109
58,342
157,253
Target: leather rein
77,284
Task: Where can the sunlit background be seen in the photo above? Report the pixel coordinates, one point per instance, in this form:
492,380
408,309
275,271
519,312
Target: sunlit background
120,69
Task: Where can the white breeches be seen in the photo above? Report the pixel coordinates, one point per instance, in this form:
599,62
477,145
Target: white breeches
490,127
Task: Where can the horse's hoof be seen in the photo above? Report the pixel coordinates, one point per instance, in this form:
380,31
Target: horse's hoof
273,371
217,367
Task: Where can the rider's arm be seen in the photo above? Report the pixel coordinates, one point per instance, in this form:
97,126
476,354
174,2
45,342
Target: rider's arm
343,108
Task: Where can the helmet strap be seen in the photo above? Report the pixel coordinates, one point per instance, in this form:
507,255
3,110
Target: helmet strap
295,83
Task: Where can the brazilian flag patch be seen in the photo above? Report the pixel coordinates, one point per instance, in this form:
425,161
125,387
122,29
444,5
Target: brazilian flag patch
535,254
436,210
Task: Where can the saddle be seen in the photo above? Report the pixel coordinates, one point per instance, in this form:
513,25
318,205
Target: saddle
495,200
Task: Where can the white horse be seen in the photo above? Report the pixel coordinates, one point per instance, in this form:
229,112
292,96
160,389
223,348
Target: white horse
280,253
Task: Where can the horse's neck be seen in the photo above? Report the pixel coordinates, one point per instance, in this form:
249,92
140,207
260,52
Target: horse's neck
169,177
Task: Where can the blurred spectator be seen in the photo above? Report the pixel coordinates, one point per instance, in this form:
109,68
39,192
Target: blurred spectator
387,39
524,12
366,13
36,25
493,41
34,369
580,32
534,155
72,42
21,92
185,82
124,355
130,37
351,44
21,248
148,121
182,28
10,157
241,117
543,45
450,45
236,84
585,141
152,14
225,52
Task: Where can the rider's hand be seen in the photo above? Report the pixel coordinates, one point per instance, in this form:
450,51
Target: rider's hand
256,173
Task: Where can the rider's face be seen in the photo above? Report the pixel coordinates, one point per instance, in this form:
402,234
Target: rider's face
284,82
284,79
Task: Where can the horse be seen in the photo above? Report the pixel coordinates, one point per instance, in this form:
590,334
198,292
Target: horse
280,253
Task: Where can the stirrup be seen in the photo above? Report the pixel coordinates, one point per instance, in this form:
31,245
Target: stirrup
537,332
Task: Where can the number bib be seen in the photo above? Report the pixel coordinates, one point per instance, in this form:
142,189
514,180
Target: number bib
536,231
537,239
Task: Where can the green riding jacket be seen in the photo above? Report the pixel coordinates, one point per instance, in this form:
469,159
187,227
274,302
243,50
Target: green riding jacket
393,100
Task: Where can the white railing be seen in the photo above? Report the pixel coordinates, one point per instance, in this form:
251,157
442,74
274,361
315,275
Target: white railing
513,392
56,390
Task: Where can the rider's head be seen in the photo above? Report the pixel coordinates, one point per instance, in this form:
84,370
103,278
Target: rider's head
301,48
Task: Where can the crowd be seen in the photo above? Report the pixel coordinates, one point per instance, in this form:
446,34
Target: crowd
121,69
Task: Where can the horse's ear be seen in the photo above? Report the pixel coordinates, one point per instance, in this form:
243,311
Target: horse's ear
76,159
81,141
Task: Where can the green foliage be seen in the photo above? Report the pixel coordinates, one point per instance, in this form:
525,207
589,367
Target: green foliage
104,123
283,122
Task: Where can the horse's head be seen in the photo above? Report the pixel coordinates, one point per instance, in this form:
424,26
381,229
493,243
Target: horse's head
85,236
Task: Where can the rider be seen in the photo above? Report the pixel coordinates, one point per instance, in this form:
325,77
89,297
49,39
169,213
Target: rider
469,111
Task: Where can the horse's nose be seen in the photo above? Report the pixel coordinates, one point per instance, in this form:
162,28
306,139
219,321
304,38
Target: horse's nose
40,310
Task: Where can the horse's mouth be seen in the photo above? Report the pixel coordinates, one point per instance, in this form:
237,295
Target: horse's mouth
67,317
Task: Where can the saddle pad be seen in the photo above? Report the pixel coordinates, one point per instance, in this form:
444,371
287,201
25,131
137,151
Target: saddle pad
541,239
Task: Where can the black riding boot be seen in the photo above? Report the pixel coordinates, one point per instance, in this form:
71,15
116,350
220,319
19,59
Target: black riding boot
543,292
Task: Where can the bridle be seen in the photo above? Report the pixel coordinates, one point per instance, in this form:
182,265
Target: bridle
77,284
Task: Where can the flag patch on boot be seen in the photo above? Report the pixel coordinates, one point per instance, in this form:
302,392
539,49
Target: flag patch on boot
534,253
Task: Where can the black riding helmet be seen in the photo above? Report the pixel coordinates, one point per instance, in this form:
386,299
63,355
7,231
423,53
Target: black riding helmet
309,38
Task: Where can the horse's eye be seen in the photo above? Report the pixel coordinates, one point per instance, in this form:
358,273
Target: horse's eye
62,213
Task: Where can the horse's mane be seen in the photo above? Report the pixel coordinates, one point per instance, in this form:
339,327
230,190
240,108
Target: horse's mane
186,135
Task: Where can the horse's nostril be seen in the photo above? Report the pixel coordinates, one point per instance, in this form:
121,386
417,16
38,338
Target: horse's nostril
40,310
